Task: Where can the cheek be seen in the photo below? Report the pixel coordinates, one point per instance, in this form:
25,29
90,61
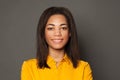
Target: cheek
48,35
66,35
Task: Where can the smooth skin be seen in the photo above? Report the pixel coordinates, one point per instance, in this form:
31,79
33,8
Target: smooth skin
57,35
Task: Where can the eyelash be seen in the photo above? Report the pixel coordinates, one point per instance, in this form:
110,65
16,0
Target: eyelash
50,28
63,28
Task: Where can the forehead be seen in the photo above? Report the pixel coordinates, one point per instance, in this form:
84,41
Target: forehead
57,19
57,16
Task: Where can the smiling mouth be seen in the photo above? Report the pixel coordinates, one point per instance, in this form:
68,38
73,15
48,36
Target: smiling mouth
57,40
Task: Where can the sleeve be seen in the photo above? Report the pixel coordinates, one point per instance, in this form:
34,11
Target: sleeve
26,72
87,73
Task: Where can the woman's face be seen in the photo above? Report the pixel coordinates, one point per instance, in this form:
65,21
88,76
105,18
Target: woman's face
57,32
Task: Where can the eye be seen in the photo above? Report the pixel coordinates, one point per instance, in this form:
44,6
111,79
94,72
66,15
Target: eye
64,28
50,28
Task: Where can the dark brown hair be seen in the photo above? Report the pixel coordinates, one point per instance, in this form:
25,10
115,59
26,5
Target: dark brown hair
71,48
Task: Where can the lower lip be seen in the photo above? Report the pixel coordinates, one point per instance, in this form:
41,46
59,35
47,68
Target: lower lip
57,41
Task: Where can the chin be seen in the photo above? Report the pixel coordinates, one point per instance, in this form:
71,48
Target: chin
58,48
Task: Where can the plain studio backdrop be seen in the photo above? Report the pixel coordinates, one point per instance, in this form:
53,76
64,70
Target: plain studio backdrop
98,26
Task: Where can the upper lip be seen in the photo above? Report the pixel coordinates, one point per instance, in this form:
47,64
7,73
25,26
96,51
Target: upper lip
57,39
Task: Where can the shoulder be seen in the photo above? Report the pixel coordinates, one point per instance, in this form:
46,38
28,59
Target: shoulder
83,64
30,62
85,70
29,67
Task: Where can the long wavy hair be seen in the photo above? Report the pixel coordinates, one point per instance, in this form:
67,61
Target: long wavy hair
71,48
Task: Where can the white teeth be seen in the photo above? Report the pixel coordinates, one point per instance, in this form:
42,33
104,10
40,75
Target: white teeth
57,40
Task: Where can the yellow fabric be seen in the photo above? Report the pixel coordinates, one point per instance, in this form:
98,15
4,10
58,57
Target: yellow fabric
64,71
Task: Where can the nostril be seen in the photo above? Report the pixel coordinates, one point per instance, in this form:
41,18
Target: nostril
57,32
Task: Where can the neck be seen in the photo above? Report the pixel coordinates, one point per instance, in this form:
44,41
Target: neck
57,55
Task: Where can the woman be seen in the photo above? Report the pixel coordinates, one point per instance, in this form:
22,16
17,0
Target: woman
57,49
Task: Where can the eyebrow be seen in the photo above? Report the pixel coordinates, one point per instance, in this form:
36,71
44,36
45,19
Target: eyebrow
50,25
63,24
54,25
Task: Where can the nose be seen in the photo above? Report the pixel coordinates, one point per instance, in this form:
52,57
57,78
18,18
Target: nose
57,32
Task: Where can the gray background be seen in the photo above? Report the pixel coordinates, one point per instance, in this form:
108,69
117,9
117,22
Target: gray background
98,25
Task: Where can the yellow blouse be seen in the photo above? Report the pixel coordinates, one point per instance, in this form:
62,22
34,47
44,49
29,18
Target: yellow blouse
65,70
